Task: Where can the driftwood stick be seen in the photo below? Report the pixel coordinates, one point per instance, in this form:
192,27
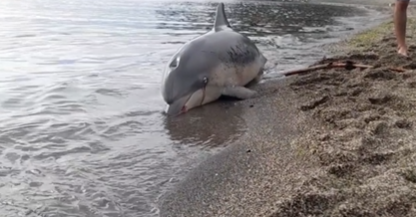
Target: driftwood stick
347,65
397,69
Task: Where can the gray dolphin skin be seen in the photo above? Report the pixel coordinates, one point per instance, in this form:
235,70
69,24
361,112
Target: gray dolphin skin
220,62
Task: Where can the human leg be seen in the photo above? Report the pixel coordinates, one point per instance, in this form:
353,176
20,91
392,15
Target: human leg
400,20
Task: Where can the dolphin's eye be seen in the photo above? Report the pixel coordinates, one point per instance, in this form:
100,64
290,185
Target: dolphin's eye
205,80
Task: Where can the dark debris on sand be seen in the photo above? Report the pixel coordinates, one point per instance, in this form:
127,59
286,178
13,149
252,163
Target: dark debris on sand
367,145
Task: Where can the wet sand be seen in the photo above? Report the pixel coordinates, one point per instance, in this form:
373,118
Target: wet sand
334,142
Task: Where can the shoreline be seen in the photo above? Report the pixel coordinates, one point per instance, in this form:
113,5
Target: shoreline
327,157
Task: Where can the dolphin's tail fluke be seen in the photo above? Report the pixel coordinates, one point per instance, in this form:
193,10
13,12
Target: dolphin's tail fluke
221,21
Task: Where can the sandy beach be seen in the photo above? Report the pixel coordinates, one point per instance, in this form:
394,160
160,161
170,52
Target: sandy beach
334,142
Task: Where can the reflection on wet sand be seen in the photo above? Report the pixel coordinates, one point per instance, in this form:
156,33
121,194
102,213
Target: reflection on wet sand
210,126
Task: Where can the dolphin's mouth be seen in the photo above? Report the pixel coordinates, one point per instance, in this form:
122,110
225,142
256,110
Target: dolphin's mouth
189,105
187,102
184,109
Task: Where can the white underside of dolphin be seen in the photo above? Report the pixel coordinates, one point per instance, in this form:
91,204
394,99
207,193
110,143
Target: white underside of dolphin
220,62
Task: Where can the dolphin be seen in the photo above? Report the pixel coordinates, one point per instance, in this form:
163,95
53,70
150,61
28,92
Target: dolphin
220,62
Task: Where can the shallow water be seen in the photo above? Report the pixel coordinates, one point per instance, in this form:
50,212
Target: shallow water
81,126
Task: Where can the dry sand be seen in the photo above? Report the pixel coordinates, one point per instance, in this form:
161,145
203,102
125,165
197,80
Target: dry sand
329,143
366,146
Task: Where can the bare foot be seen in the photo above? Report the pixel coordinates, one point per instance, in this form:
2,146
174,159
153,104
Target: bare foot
403,51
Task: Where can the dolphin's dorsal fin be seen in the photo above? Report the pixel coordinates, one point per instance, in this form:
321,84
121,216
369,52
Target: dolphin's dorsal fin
221,21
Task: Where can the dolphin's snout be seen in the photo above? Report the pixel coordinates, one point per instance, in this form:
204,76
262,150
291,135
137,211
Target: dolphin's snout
178,106
187,102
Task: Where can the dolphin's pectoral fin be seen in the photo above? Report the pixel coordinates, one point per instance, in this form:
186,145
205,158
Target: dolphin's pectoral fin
239,92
